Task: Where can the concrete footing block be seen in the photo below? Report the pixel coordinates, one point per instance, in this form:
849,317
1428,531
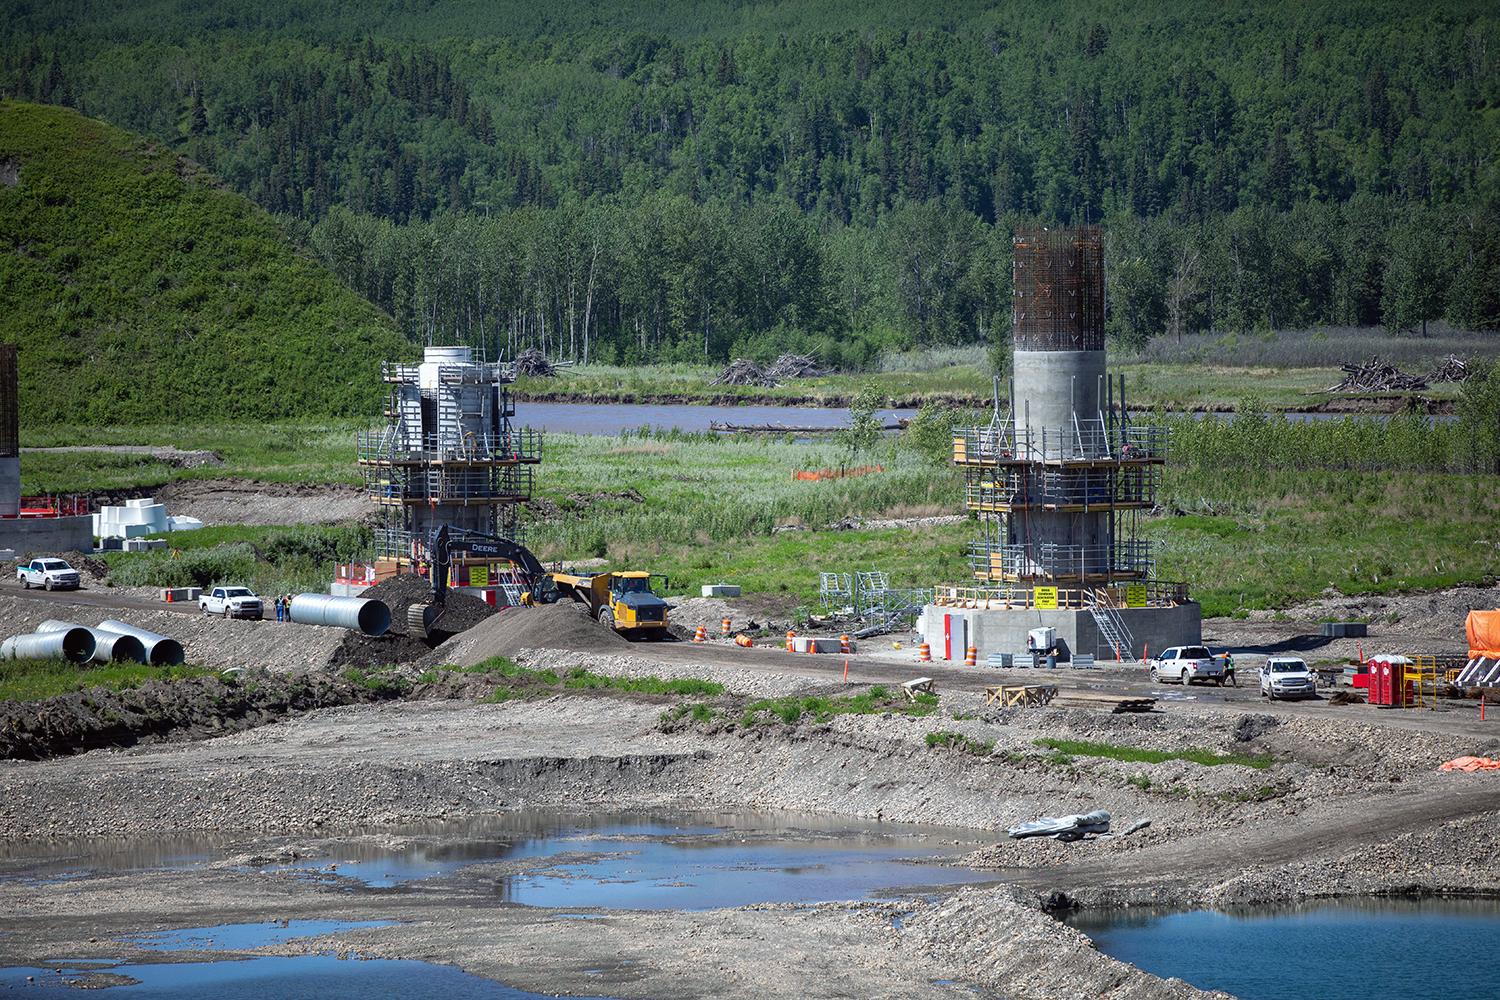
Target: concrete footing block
817,644
1345,630
721,590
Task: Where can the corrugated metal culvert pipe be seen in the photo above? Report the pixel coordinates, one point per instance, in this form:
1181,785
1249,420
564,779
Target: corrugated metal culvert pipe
360,613
161,650
75,644
107,645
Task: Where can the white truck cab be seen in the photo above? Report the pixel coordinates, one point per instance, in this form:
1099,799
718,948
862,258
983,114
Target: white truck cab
231,602
1287,677
49,574
1185,664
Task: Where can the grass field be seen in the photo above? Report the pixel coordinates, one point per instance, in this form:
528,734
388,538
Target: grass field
33,680
1283,371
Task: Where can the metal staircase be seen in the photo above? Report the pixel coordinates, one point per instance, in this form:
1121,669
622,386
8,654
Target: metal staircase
1113,633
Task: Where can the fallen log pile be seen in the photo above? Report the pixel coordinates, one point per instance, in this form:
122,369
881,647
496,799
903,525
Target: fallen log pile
744,371
1377,376
534,363
1451,369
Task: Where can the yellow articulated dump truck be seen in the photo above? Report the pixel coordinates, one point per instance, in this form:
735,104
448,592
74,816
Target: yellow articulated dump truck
623,601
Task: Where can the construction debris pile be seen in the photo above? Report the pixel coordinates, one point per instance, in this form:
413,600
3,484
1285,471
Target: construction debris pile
534,364
744,371
1377,376
1450,369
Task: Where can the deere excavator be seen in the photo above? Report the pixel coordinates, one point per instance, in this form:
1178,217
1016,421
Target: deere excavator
446,544
622,601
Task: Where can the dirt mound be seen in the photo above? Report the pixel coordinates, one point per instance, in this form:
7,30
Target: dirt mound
389,650
248,501
551,626
185,709
460,611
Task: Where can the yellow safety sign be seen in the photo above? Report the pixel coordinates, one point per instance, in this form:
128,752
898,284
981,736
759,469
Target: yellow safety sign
1044,598
479,576
1135,595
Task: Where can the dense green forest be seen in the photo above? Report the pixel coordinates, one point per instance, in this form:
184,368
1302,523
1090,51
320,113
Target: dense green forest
673,181
140,291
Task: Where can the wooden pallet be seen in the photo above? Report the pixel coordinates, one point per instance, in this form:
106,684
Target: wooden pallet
1020,695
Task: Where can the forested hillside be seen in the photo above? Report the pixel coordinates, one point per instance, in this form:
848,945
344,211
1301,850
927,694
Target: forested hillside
676,180
139,290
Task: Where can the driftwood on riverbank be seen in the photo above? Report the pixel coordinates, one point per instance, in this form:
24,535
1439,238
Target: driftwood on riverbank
744,371
1377,376
1451,369
721,428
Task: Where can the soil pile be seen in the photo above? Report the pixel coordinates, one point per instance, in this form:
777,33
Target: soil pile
555,626
460,611
193,708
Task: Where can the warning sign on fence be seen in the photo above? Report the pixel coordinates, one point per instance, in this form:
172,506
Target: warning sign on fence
479,576
1135,595
1045,598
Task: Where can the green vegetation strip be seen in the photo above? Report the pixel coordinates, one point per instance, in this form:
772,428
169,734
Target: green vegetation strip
876,701
1065,750
949,740
35,680
575,679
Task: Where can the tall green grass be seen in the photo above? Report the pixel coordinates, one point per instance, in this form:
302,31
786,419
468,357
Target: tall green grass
34,680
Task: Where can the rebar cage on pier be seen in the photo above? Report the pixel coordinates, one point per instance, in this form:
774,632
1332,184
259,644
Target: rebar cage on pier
1059,289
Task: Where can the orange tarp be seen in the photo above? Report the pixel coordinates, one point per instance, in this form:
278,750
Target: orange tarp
1484,634
1470,764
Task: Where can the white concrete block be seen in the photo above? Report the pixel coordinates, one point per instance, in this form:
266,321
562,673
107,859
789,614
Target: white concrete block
721,590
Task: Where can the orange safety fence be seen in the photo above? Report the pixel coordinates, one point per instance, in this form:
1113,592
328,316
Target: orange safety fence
815,475
1484,634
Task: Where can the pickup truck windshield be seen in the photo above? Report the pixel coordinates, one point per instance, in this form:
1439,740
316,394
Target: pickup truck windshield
237,592
1288,667
1194,653
55,564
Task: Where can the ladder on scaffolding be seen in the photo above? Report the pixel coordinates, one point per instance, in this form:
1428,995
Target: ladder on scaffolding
1113,632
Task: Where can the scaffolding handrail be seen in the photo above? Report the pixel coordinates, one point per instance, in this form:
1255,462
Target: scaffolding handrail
1091,439
1006,560
1158,594
389,445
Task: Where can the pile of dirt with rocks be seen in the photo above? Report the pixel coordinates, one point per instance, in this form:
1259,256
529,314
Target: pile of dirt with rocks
556,626
399,593
192,708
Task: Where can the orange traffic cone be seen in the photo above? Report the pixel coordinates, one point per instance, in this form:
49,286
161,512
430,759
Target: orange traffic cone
789,637
843,644
924,653
971,657
724,627
701,635
743,640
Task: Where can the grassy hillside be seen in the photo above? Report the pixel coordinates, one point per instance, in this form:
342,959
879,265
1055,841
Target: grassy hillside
140,290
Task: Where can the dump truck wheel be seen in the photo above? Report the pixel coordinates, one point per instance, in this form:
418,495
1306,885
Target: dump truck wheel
606,618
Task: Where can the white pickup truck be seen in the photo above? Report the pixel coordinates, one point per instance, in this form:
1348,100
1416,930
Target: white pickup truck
49,574
1186,664
231,602
1287,677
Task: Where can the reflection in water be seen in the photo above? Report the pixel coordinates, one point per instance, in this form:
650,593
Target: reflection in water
315,977
1372,949
625,860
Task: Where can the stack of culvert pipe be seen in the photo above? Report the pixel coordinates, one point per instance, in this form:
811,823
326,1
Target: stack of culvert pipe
75,644
108,646
161,650
363,614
